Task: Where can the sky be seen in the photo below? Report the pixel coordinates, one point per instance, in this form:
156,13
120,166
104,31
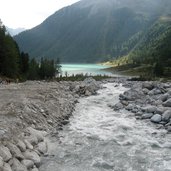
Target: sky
29,13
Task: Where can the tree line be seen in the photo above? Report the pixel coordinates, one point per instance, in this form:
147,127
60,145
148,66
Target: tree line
18,65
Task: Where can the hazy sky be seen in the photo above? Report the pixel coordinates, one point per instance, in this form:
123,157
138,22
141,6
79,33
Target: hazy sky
29,13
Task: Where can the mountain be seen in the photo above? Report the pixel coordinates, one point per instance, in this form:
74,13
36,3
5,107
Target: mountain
93,30
16,31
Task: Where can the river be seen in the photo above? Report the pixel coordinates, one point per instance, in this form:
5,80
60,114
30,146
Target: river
100,139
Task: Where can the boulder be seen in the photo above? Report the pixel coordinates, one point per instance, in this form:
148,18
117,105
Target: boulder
5,153
42,147
32,139
148,85
160,110
15,151
131,95
35,169
156,118
166,116
147,115
130,107
118,106
145,91
163,97
87,93
167,103
7,167
21,146
1,163
39,134
28,145
28,163
32,155
17,166
149,109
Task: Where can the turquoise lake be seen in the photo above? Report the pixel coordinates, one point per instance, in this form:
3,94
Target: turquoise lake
89,69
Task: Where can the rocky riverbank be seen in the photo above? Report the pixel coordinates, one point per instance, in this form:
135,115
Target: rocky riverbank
148,101
32,110
28,112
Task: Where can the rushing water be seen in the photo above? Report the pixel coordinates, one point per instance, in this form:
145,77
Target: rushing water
100,139
90,69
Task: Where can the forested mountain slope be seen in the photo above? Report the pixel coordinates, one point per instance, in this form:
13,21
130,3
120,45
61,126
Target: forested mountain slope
93,30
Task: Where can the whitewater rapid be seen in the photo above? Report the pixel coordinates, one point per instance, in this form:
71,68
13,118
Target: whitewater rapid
98,138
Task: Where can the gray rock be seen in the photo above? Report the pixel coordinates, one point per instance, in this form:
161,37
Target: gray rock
118,106
32,139
147,115
15,151
131,95
163,97
17,166
21,146
28,145
5,153
166,116
32,155
167,103
28,163
1,163
145,91
160,110
149,109
169,128
35,169
7,167
156,118
87,93
148,85
42,147
130,107
39,134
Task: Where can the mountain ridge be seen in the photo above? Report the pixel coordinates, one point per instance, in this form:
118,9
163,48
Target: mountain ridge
91,31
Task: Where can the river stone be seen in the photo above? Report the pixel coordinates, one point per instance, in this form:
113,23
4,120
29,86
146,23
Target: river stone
166,116
148,85
5,153
28,163
163,97
160,110
17,166
35,169
145,91
156,118
42,147
21,146
147,115
167,103
39,134
7,167
130,107
28,145
1,163
32,155
169,128
15,151
118,106
32,139
149,109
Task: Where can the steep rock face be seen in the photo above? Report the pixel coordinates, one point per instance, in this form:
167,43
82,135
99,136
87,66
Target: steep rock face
91,30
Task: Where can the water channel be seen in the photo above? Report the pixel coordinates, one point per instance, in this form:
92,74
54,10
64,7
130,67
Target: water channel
99,139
